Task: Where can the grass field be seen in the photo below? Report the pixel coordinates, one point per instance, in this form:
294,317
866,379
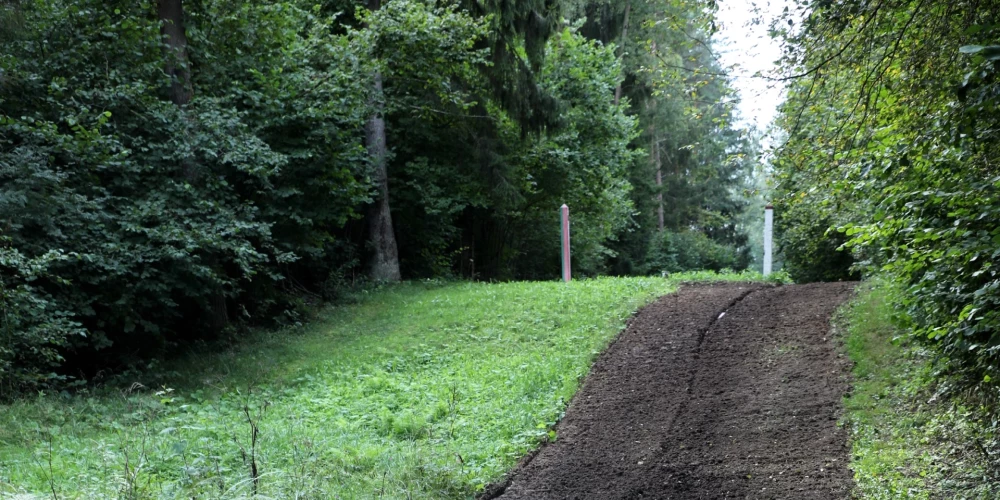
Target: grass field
421,390
906,442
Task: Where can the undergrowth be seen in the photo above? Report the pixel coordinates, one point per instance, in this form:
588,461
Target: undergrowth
908,439
421,390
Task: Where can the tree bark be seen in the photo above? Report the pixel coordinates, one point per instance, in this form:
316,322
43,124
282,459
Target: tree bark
177,66
624,40
171,13
654,159
659,180
385,255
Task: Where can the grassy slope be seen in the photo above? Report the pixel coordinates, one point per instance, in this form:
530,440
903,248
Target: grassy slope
420,391
905,442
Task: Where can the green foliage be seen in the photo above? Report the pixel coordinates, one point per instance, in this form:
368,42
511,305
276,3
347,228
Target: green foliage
423,390
171,215
518,33
907,441
810,249
689,251
673,84
486,203
32,328
134,223
583,164
902,161
425,52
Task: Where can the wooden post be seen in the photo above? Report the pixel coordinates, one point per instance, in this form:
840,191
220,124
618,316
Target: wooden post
768,229
564,233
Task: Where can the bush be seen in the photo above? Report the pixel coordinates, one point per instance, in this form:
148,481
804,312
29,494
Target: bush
689,251
170,222
811,246
941,243
32,327
913,181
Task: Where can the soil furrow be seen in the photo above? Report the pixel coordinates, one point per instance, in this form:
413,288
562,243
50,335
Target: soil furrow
717,391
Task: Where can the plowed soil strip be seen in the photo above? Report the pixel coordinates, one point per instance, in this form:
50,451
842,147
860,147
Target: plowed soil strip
720,391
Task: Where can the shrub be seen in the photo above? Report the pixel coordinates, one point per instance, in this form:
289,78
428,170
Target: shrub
811,247
171,222
688,251
32,327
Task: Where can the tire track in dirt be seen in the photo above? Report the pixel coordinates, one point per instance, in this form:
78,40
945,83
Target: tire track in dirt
717,391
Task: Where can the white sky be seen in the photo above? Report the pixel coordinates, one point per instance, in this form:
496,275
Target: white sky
746,49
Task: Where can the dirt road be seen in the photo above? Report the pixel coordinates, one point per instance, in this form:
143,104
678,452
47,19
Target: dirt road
720,391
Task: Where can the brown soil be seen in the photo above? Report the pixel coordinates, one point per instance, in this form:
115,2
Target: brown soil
720,391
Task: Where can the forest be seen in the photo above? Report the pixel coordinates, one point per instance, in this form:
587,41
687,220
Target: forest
311,248
176,171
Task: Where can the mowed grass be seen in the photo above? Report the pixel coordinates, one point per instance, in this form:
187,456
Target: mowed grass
906,442
421,390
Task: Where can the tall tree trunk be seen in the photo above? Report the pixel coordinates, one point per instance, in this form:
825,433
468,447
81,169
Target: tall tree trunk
177,66
659,179
172,28
654,159
677,178
624,40
385,258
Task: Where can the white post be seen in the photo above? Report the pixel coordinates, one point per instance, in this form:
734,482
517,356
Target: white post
768,229
564,233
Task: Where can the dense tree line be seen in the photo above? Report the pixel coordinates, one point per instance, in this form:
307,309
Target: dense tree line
172,169
891,165
687,198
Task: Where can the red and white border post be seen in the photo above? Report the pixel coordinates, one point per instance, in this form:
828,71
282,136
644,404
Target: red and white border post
564,239
768,229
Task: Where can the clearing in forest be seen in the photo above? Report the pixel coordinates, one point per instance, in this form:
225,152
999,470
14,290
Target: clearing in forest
720,391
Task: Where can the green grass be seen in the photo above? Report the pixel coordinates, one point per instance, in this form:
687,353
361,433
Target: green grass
421,390
905,442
